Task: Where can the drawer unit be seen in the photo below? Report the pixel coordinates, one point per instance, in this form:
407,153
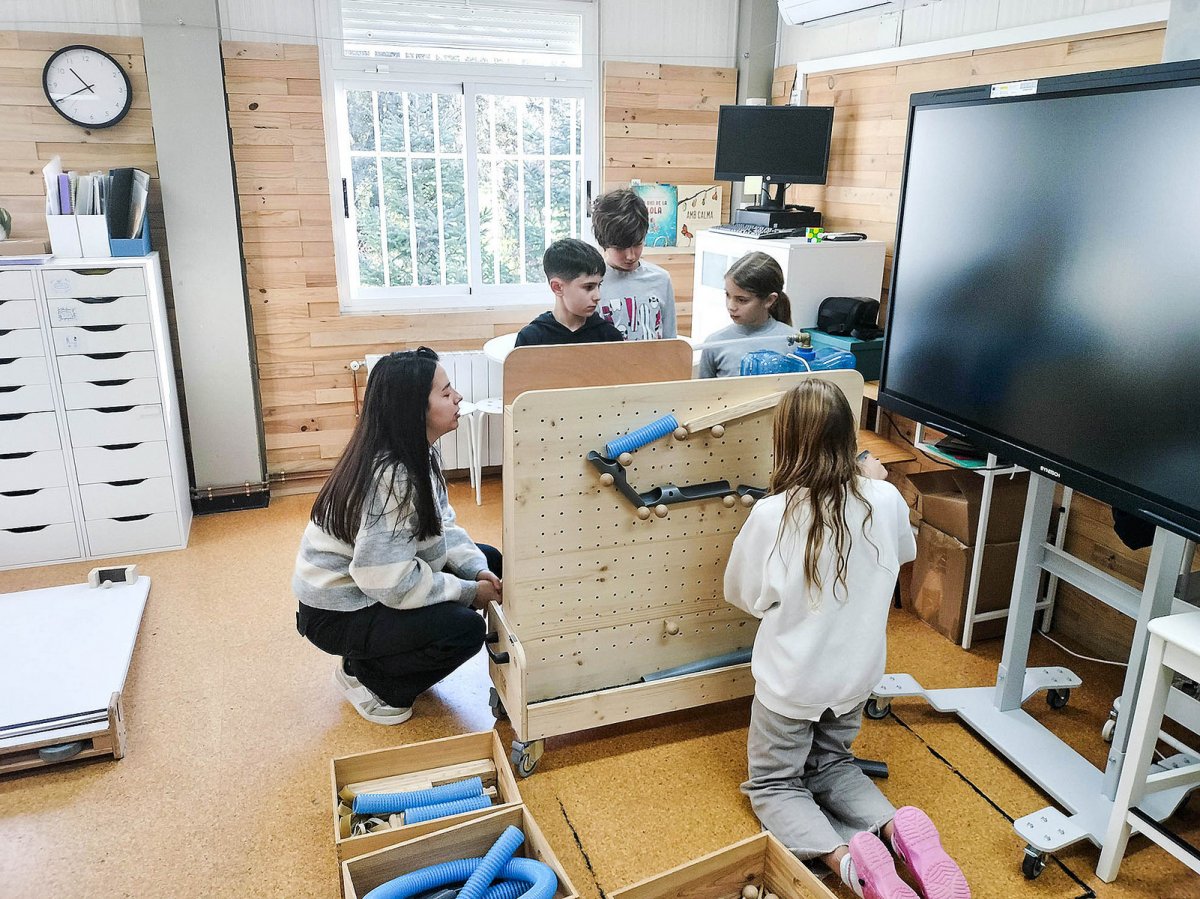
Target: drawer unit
27,398
21,342
125,498
101,339
120,392
21,471
135,533
105,367
68,311
112,282
17,286
120,424
41,543
122,462
47,505
18,314
24,370
29,431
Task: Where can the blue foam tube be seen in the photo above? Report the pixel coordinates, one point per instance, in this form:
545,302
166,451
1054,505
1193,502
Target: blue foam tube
534,880
387,803
445,809
639,438
497,857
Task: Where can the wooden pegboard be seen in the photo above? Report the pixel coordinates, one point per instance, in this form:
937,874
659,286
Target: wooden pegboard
590,590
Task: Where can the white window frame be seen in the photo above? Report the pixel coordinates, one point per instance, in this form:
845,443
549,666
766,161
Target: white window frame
340,73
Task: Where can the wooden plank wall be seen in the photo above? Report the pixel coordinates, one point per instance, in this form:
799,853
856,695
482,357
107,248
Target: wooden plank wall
863,192
304,344
660,125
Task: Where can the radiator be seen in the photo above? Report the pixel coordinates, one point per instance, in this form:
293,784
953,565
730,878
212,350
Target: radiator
476,377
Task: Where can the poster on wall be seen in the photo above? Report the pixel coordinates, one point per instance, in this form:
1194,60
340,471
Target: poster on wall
679,211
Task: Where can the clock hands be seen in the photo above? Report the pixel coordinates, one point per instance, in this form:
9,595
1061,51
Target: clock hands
81,81
86,87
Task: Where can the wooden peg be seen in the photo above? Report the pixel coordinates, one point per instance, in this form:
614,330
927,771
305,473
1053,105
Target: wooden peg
643,512
661,511
607,479
626,459
749,891
729,500
717,430
747,500
671,627
681,433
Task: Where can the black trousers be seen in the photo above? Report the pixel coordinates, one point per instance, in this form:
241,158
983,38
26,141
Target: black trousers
398,654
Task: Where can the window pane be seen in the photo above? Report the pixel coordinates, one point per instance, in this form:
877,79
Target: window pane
511,268
533,126
361,116
425,211
454,216
366,211
535,218
561,121
395,200
450,124
391,122
420,122
561,219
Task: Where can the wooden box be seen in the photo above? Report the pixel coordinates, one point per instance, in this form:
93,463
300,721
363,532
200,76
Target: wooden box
471,839
760,860
452,758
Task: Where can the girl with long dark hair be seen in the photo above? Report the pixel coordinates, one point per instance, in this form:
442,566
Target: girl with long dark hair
385,577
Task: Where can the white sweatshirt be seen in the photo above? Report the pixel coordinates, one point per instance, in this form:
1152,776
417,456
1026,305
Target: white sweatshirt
807,659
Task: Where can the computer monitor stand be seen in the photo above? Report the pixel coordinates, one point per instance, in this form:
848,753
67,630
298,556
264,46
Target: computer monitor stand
771,210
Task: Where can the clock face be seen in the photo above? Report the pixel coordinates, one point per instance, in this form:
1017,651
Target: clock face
87,86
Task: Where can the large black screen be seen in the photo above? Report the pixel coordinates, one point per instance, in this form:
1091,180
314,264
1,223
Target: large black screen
781,143
1045,299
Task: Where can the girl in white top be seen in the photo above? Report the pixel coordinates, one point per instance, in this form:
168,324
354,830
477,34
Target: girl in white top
817,562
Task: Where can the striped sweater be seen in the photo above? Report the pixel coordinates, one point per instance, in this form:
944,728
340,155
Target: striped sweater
386,563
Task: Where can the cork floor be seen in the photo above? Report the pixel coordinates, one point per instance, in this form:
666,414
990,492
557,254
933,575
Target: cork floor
232,721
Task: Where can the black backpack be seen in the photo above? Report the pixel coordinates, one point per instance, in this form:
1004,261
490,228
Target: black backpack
849,316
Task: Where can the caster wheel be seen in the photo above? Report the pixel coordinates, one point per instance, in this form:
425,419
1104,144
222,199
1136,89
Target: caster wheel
1057,699
1108,731
876,710
496,705
525,756
526,765
1032,864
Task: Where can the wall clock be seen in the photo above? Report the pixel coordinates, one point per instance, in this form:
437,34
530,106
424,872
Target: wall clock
87,86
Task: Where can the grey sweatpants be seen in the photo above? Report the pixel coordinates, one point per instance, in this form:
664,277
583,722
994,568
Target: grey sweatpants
804,785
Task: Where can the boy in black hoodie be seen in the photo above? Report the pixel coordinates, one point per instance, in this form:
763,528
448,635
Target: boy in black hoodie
574,270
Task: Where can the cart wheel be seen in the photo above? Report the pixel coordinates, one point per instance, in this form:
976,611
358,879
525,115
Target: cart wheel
525,756
526,764
1032,863
1057,699
496,705
1109,730
876,710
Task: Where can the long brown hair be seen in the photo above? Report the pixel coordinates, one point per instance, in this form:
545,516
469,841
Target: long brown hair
815,446
760,275
389,439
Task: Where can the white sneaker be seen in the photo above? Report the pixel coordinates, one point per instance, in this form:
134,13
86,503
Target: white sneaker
366,703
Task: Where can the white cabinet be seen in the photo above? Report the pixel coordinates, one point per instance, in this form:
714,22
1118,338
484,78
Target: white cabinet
92,456
811,272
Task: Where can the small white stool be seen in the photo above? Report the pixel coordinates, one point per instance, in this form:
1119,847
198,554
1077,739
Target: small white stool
474,413
1174,646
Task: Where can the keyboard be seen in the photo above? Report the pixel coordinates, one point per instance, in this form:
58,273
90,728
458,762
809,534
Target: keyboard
759,232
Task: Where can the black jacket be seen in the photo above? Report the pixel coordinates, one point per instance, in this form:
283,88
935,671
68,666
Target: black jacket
545,329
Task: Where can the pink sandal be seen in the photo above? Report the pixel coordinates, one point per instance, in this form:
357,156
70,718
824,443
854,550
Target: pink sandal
919,846
875,870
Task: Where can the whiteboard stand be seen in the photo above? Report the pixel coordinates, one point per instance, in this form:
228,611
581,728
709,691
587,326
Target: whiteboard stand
67,650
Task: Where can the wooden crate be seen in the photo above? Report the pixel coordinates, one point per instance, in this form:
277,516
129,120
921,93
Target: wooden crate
451,758
760,860
471,839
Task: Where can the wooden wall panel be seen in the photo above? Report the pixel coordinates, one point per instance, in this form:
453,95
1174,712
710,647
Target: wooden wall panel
660,124
863,194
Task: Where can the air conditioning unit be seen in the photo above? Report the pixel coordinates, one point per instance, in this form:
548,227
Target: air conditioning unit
820,12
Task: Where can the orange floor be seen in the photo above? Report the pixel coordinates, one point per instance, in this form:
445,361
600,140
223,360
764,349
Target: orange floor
232,723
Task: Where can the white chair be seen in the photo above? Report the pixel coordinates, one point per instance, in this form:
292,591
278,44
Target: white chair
1174,646
475,414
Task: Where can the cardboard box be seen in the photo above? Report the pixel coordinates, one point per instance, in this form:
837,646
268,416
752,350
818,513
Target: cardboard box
432,763
760,860
942,574
471,839
950,501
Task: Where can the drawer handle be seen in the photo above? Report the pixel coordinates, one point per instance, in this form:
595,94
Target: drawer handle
93,271
7,332
107,409
105,355
14,416
116,383
131,517
100,327
11,388
28,530
118,446
19,492
95,300
16,455
131,483
7,361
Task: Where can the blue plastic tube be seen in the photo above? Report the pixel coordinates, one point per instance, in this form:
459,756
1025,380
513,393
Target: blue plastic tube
445,809
388,803
497,857
639,438
535,880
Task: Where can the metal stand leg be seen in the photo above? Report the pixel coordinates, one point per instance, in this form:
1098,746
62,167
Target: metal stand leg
477,418
985,511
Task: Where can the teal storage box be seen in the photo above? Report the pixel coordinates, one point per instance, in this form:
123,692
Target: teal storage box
868,354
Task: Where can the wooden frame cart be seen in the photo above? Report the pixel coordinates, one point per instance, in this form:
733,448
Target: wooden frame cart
599,592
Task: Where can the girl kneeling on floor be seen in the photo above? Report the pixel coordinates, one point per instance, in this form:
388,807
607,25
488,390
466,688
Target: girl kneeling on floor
385,577
817,561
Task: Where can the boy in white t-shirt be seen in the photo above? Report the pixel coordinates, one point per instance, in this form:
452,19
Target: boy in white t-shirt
636,297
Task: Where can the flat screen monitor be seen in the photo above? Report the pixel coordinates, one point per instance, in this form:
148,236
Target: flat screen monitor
1045,295
783,144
